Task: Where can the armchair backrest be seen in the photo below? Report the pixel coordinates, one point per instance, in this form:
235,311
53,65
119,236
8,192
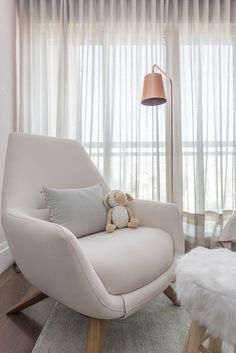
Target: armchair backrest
34,161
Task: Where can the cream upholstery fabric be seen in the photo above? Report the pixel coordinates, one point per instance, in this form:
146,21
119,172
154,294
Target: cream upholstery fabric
34,161
122,261
61,265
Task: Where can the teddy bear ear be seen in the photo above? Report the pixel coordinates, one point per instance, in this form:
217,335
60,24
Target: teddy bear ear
105,200
129,197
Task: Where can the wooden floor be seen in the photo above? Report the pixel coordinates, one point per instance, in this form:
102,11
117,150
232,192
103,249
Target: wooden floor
19,332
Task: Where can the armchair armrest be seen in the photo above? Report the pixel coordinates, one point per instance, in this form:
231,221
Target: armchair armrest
165,216
51,258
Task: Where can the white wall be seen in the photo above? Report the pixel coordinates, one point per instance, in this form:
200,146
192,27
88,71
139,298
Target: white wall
7,97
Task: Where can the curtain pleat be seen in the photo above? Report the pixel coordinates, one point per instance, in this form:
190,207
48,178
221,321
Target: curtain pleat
81,66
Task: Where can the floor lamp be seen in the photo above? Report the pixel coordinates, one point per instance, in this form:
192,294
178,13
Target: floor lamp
154,95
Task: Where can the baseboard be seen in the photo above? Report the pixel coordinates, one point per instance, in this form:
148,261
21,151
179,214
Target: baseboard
6,258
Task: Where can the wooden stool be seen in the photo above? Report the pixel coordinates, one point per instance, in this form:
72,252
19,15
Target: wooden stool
206,288
195,341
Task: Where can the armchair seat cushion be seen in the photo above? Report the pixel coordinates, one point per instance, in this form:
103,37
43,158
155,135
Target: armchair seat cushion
129,259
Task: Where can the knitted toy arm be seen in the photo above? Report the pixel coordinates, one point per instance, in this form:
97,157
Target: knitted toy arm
130,212
109,216
133,222
109,226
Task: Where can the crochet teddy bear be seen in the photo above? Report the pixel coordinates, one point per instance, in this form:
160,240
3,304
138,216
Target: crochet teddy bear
119,215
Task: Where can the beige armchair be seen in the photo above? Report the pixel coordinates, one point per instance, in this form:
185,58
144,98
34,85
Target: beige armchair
103,276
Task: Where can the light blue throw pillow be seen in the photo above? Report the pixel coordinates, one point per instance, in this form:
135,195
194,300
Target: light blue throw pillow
80,210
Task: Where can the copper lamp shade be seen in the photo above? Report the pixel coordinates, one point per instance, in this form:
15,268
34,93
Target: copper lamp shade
153,95
153,90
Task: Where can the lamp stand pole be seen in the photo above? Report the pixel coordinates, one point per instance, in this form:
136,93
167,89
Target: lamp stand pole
170,175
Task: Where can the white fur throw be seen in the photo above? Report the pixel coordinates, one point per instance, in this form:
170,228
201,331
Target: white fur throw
206,287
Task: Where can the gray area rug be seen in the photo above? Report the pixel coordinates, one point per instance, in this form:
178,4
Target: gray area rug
160,327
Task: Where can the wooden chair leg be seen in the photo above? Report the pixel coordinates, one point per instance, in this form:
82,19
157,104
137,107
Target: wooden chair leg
32,296
215,345
195,338
234,349
171,294
96,335
186,343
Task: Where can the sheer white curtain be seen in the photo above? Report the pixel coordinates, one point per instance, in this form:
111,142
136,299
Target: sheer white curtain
208,92
81,66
